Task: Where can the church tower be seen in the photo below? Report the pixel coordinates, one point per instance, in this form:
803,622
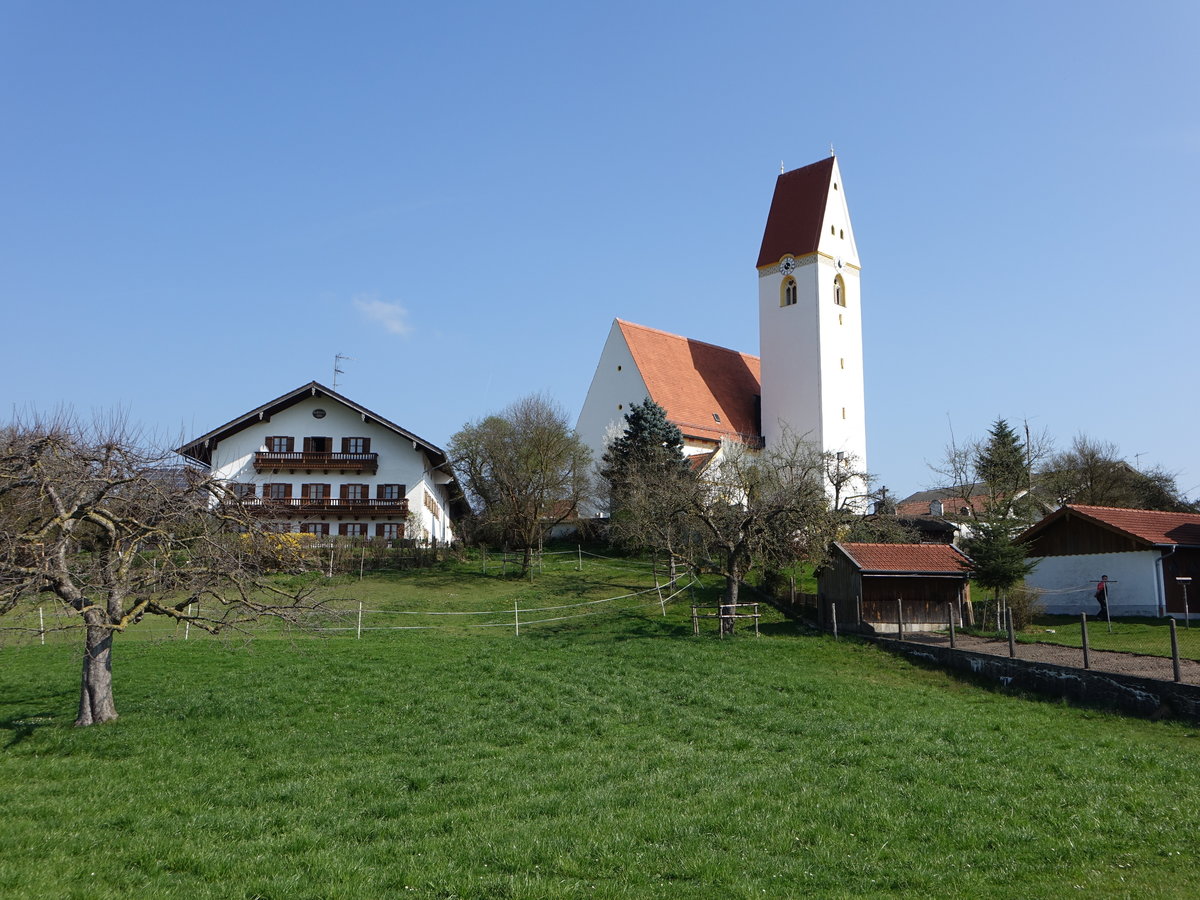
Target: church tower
810,315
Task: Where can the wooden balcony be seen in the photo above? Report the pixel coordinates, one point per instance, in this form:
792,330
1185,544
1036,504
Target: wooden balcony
325,507
308,461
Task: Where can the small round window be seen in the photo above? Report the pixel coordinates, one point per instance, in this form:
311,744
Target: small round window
318,413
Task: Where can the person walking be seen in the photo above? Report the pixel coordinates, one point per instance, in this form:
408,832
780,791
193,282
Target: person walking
1102,595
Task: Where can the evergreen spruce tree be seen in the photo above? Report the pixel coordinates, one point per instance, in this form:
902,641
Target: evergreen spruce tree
649,481
1002,462
1000,562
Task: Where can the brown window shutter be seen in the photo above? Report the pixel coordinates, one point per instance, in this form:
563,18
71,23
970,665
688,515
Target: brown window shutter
366,445
308,445
342,529
327,490
364,491
305,491
402,493
379,491
379,531
344,491
291,445
345,445
287,491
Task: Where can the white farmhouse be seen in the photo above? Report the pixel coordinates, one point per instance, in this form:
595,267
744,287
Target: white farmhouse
809,378
315,461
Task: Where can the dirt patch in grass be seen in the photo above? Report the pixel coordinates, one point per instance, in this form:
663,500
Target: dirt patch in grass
1056,654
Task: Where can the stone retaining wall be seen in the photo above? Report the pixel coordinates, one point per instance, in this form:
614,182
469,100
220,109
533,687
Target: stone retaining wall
1130,694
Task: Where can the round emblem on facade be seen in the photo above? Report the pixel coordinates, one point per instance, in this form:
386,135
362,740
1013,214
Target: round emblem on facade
788,266
318,413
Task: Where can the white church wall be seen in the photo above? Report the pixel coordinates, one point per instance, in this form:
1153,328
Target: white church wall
616,385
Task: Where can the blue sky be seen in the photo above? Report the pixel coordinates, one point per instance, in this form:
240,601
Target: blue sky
203,203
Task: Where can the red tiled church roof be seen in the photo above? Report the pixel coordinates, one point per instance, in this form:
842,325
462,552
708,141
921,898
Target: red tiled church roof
1148,525
925,559
708,392
797,212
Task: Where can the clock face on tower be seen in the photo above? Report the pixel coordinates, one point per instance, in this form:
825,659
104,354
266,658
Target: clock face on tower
787,266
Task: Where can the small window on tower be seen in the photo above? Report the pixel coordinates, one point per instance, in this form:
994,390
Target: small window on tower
839,291
788,297
716,417
842,233
832,230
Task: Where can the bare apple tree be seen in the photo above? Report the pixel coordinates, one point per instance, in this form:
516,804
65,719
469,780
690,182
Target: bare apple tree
115,532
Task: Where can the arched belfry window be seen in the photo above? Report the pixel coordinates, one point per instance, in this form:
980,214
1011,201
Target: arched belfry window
839,291
787,295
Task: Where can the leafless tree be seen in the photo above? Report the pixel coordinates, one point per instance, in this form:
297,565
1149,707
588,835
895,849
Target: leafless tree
115,532
759,509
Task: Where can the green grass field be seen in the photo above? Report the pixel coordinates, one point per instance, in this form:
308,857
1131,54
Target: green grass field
608,756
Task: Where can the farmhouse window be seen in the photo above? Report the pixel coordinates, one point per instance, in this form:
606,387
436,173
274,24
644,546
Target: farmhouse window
356,445
390,491
352,529
314,528
314,491
318,444
355,491
242,491
281,444
277,491
390,530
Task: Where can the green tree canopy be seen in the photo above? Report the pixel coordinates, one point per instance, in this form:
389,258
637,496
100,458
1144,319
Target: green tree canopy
524,471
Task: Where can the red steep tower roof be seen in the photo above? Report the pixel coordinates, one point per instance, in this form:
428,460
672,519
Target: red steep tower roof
797,212
708,392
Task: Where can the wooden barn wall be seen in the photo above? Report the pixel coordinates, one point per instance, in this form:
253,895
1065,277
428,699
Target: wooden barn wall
1071,536
924,598
1184,562
839,581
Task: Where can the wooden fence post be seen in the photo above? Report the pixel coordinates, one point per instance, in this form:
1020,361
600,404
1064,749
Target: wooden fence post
1087,659
899,619
833,613
950,617
1175,652
1012,640
359,634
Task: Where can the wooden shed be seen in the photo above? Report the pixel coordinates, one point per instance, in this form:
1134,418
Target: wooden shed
869,586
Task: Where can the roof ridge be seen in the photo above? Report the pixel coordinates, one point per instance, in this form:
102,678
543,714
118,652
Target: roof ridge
683,337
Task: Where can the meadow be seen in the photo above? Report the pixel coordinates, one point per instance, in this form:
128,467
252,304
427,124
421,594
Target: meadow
613,755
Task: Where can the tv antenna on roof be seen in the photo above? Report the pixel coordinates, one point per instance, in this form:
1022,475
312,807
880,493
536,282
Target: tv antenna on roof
337,366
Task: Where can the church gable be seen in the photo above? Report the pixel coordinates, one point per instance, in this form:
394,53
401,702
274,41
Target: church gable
709,393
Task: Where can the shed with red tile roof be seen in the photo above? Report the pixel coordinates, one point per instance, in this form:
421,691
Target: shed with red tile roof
874,584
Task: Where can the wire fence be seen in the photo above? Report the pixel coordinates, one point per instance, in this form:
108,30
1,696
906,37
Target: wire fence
350,614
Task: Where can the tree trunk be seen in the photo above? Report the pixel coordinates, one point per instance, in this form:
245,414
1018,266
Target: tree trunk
95,695
729,604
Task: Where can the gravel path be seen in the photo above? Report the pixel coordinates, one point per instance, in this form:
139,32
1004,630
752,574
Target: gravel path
1056,654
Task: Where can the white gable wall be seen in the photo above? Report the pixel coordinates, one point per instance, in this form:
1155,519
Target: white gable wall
616,385
399,462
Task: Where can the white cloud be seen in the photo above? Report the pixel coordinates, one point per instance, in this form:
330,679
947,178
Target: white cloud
392,316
